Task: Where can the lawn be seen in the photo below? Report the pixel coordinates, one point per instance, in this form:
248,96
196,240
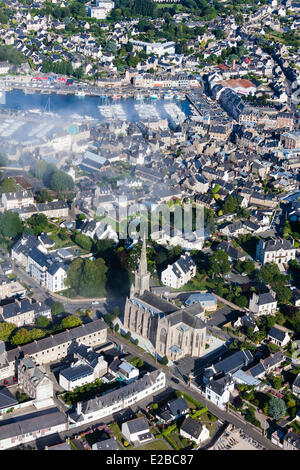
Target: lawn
115,428
59,243
296,426
174,437
204,419
158,444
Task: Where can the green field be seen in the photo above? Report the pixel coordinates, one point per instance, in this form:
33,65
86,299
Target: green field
158,444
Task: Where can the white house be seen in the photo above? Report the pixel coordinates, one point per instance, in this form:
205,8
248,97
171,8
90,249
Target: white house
128,372
101,9
56,275
179,273
279,336
218,391
117,400
87,367
32,426
137,431
193,430
276,250
263,304
16,200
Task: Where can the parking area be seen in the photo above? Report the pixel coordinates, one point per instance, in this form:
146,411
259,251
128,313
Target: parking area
235,439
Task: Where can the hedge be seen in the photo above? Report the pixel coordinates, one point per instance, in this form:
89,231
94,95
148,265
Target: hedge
198,413
192,400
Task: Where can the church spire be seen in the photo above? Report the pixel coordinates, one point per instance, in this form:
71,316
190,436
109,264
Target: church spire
143,259
142,276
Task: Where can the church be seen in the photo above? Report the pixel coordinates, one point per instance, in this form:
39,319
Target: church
174,332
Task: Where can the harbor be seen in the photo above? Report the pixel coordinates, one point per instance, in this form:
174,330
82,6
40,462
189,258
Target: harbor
114,106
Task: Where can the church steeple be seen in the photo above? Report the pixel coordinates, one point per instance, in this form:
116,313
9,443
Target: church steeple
142,276
143,259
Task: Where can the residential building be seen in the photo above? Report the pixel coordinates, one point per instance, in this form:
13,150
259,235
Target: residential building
179,273
207,301
128,372
29,427
263,304
17,200
86,368
56,347
117,400
278,336
276,250
33,380
194,430
173,410
106,444
137,431
218,390
291,441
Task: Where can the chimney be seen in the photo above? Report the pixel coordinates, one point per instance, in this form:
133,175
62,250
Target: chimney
233,64
79,407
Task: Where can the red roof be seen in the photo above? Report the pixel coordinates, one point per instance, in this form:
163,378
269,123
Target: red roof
223,67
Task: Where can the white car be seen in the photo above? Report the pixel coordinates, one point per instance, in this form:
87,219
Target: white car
95,303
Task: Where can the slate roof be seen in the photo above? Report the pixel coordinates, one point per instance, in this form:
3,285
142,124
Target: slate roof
157,302
276,333
7,399
178,406
191,427
116,396
235,361
266,298
219,385
107,444
31,422
138,425
55,340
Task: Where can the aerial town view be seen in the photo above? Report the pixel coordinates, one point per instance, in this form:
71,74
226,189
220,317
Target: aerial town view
150,227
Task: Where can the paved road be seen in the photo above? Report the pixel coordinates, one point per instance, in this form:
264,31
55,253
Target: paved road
129,347
222,415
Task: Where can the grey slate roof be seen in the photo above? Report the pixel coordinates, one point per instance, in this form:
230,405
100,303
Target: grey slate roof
138,425
276,333
236,361
191,427
6,399
178,406
107,444
60,338
125,392
31,422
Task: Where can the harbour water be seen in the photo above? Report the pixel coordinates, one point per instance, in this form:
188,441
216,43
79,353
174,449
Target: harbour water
88,106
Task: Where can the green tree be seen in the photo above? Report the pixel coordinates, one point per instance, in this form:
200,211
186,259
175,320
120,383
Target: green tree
93,279
8,185
219,263
10,225
6,330
84,241
74,274
277,408
57,308
44,196
164,361
71,321
42,322
61,181
128,335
